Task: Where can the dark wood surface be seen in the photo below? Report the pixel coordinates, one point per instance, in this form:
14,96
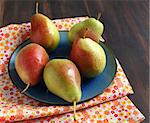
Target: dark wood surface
126,32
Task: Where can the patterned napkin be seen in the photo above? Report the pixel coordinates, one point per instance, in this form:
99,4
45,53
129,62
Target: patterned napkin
15,106
117,111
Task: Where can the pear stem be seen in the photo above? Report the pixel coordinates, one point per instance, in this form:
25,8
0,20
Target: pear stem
37,5
98,16
87,9
28,85
74,110
102,39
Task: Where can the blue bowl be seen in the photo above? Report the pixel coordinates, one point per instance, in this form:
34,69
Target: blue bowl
90,87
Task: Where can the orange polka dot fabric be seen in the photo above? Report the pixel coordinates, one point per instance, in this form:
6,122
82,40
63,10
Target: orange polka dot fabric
110,112
15,106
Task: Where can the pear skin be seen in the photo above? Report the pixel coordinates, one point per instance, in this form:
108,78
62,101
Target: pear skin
44,31
89,57
30,62
62,78
90,28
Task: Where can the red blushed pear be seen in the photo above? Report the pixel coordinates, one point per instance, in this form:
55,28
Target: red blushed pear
89,57
44,31
90,28
62,78
30,62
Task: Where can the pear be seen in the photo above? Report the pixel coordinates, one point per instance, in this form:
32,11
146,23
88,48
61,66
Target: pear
90,28
62,78
89,57
30,62
44,31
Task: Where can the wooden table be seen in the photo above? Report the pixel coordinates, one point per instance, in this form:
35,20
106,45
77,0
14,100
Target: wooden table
126,32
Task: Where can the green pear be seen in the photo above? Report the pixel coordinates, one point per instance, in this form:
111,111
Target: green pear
89,57
90,28
44,32
62,78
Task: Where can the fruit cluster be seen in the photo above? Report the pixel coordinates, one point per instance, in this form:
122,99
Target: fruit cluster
61,76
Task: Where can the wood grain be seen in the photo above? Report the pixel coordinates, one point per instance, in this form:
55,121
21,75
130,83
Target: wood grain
126,32
1,11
